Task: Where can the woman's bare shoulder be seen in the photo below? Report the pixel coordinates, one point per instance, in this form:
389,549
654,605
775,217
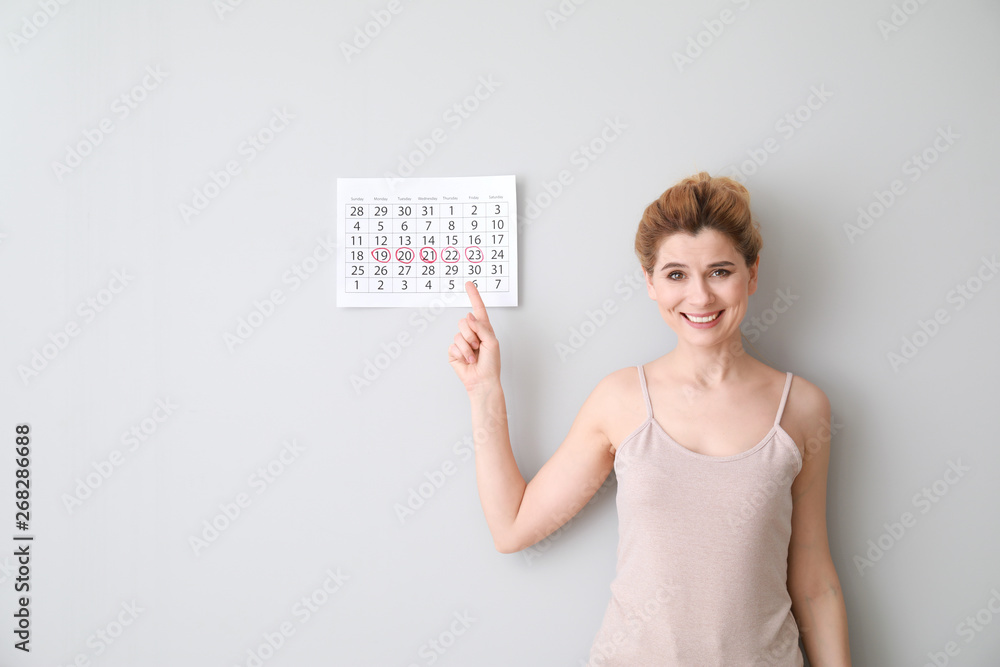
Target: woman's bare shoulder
809,399
618,384
618,399
807,411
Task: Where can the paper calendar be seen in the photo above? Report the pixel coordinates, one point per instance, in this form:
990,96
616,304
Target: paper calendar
416,241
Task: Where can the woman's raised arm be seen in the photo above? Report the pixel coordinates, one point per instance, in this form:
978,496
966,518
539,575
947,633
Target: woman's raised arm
518,513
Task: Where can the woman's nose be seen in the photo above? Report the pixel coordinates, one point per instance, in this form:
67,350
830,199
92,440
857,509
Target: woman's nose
700,293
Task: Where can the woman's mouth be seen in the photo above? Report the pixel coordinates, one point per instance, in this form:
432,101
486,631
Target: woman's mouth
703,320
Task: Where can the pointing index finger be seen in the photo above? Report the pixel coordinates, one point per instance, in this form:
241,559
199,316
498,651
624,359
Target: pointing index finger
478,307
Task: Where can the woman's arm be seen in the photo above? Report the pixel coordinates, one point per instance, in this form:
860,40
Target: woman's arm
817,602
518,513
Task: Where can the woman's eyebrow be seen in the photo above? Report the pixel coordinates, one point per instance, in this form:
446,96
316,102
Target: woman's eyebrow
678,265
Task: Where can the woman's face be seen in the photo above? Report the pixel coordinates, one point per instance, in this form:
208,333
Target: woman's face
701,278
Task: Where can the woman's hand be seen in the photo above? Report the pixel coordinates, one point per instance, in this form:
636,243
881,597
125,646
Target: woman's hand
475,354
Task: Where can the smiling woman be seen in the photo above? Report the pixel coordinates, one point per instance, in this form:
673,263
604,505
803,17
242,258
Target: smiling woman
708,222
723,556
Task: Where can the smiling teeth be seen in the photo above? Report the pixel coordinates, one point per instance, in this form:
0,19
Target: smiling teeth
702,320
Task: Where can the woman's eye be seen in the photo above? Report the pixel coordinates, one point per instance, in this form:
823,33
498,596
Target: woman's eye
677,275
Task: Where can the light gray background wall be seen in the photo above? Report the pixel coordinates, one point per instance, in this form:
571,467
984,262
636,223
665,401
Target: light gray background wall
893,76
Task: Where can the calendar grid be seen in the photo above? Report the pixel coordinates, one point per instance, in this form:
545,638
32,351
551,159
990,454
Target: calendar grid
427,245
395,248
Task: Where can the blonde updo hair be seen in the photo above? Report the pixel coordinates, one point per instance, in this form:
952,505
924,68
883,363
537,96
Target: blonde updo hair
695,203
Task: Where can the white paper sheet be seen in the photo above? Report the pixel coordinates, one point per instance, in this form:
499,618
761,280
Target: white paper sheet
414,242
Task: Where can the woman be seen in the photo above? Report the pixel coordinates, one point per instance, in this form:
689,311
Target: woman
721,462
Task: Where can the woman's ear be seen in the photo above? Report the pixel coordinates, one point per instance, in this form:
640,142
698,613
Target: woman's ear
752,285
649,285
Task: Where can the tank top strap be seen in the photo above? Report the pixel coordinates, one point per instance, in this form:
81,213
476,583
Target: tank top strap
645,392
784,397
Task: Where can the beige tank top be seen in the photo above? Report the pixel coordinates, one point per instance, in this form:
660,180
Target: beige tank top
702,553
